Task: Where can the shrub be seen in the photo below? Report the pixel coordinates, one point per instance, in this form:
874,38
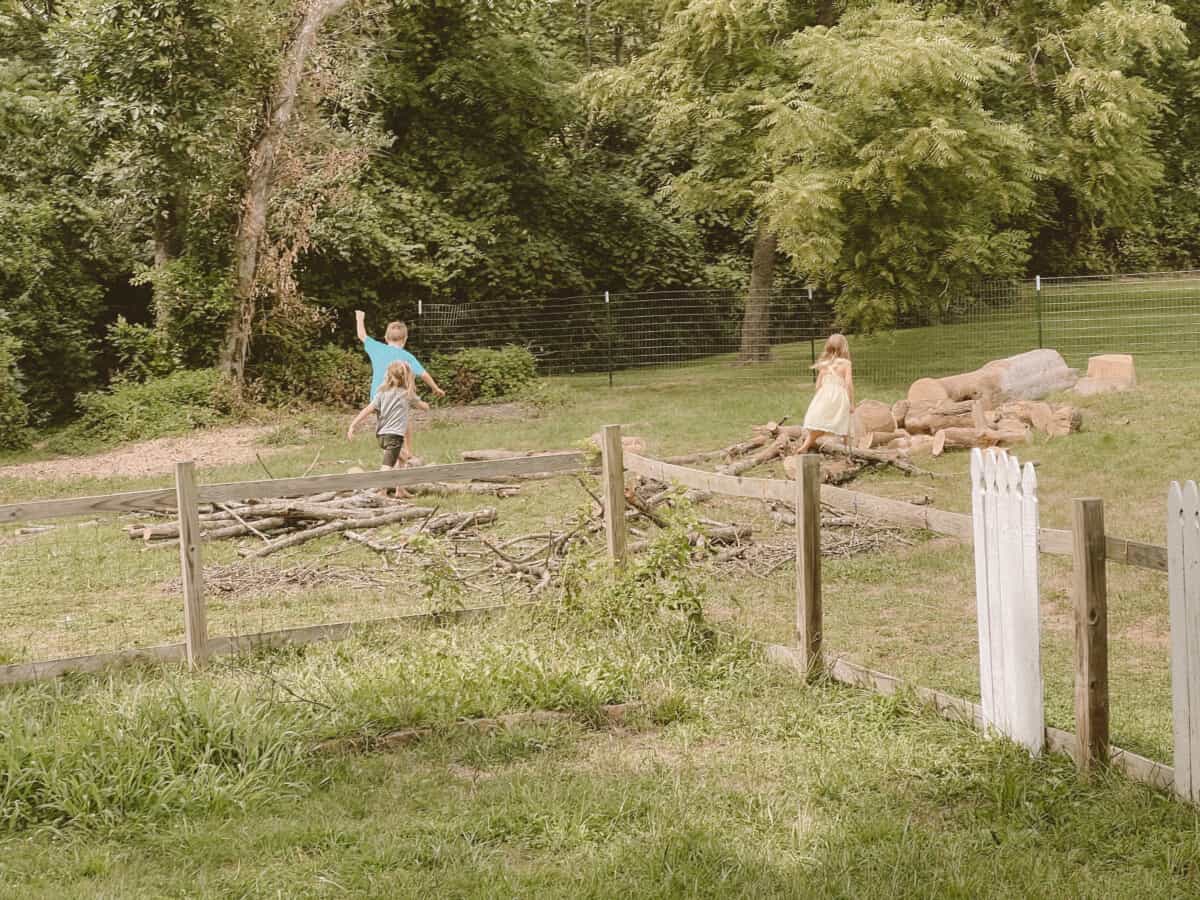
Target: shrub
331,375
14,414
192,398
481,374
142,352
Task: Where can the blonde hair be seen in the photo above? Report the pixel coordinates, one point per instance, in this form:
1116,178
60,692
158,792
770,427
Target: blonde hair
396,331
836,347
399,377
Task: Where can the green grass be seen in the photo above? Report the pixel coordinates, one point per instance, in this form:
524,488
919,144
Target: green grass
733,779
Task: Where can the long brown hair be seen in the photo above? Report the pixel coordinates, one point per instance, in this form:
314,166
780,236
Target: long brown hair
399,377
836,347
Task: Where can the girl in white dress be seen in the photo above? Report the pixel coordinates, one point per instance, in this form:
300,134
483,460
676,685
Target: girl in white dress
831,406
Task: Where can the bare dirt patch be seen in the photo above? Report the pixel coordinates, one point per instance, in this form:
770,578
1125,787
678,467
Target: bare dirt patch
210,448
214,447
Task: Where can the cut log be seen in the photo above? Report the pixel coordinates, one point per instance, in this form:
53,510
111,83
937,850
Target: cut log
1066,420
966,438
445,489
920,445
945,414
871,415
926,392
1035,413
878,439
776,448
741,448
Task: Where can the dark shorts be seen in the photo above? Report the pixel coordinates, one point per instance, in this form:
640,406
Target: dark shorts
392,444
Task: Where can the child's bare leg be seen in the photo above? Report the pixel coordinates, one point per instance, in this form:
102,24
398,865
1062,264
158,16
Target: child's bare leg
811,436
401,493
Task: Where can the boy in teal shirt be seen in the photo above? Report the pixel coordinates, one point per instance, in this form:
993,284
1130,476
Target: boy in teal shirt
384,353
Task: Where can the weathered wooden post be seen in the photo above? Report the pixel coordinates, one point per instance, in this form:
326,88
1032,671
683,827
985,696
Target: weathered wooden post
1090,595
808,562
1183,577
612,455
194,616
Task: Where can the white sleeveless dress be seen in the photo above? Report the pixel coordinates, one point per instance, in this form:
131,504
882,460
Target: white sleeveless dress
829,410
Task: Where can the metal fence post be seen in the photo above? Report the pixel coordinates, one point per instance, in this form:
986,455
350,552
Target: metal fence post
608,315
1037,305
812,332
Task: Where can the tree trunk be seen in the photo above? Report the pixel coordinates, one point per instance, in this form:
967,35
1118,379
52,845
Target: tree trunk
166,248
252,224
756,322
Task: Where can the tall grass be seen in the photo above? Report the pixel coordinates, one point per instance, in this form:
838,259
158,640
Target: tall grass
141,744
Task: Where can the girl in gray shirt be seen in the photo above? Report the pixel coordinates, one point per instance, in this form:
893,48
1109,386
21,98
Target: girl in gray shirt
392,404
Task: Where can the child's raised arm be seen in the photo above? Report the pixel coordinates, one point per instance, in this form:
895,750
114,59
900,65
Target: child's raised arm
360,320
359,419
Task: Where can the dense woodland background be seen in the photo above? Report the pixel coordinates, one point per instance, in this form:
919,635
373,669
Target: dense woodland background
193,184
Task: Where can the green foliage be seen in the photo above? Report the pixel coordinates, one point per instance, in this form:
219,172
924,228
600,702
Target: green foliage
176,403
480,374
656,587
897,182
14,414
329,375
142,352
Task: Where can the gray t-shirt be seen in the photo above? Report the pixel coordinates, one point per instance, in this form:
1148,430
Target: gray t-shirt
392,407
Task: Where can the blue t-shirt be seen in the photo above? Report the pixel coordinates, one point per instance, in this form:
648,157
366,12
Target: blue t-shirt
383,355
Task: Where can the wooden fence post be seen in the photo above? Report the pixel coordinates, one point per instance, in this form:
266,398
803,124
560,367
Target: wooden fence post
808,562
1090,589
194,617
613,491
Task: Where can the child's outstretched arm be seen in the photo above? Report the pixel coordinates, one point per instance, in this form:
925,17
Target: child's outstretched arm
359,419
360,320
850,381
433,385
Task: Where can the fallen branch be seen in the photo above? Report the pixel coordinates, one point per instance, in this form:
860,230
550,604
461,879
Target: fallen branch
302,537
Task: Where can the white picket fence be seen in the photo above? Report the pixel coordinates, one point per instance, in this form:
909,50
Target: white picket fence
1183,576
1004,508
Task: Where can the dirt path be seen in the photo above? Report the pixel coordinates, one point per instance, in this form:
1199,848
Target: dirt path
212,447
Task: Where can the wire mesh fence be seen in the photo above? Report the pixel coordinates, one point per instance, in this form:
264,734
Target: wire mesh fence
777,334
81,586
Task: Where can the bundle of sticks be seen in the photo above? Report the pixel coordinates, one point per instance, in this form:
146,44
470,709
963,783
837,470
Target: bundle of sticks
778,440
281,524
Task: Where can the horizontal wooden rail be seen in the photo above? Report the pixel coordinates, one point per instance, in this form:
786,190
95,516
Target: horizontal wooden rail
164,499
1053,541
957,709
225,645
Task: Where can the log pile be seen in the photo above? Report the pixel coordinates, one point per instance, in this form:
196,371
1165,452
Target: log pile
997,405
